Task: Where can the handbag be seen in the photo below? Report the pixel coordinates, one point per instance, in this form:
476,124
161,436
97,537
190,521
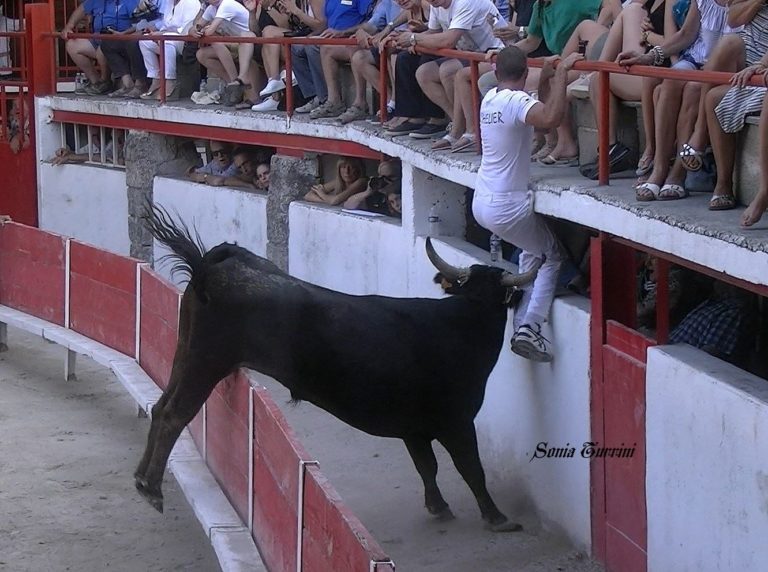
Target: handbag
148,10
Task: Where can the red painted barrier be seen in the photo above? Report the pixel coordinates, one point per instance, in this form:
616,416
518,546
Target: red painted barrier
159,320
32,271
102,296
227,439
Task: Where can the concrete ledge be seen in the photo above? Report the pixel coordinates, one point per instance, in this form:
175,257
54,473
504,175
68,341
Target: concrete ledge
234,547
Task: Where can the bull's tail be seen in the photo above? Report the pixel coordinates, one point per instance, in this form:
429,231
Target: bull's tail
186,251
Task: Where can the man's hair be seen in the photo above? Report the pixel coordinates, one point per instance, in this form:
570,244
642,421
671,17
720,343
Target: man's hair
511,64
242,151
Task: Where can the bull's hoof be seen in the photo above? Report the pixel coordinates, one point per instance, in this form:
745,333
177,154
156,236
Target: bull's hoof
153,496
502,524
443,514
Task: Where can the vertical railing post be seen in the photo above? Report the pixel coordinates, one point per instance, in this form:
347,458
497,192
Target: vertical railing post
39,49
161,49
474,72
288,57
383,78
603,122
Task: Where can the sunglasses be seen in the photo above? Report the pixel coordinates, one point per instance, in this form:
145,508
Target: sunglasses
220,152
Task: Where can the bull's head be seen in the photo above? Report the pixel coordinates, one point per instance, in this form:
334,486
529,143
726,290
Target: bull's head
477,280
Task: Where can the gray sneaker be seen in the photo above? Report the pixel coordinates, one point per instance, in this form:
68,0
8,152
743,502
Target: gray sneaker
530,344
311,105
328,109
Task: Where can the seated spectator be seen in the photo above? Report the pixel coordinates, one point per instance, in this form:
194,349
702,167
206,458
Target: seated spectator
18,126
395,203
262,176
350,179
245,175
386,17
376,196
107,17
220,166
177,19
462,25
344,18
276,19
640,26
694,42
91,150
228,18
759,204
365,62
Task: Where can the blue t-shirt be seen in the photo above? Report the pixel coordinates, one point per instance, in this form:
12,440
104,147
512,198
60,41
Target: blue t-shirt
110,13
385,12
345,14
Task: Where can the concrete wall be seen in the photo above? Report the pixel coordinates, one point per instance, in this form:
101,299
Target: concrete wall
707,471
219,214
86,202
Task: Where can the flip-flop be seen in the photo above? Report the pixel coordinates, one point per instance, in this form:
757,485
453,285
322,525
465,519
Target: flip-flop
722,203
646,192
551,161
691,159
644,169
672,192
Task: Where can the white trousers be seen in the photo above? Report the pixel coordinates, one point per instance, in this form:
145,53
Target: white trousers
511,216
150,50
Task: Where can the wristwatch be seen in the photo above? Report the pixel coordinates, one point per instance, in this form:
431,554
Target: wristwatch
413,39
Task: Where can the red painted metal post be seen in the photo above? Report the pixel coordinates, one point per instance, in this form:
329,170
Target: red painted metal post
40,49
383,77
604,86
662,301
288,57
161,46
474,72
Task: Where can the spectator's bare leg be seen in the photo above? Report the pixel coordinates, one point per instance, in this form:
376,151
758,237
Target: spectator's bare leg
667,108
330,56
364,70
271,54
245,60
83,54
685,122
758,205
464,94
567,146
428,76
101,60
649,98
208,57
448,71
723,144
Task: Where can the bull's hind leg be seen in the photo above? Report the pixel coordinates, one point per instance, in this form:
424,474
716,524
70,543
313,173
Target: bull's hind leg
423,457
461,444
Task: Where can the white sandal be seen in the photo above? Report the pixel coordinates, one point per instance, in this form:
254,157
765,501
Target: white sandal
646,192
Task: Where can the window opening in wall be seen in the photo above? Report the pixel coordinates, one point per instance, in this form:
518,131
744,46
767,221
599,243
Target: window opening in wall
90,144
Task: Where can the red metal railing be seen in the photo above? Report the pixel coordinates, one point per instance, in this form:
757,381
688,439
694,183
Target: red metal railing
604,69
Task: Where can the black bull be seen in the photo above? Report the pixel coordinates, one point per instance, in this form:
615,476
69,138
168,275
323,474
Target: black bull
409,368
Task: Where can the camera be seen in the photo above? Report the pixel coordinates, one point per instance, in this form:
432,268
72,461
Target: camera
377,183
107,30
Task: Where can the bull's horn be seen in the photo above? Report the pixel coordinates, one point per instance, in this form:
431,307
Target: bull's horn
509,280
451,273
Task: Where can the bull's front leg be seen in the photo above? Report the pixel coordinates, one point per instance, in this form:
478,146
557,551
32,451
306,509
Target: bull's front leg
420,449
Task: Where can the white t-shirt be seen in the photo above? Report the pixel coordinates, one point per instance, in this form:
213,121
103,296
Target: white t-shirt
234,15
506,162
470,16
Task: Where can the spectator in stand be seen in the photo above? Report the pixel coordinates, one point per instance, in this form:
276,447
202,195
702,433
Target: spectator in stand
350,179
386,17
460,24
277,19
365,62
376,196
107,17
91,151
245,172
177,19
228,18
640,26
262,176
345,18
727,106
220,166
342,18
678,101
18,125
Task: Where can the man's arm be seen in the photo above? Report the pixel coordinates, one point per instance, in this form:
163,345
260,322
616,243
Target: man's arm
742,12
550,114
529,44
74,19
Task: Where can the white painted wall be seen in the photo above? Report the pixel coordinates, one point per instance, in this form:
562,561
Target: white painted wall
707,468
218,214
87,202
525,403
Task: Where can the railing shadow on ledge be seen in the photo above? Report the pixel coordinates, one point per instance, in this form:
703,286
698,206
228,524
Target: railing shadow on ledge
120,313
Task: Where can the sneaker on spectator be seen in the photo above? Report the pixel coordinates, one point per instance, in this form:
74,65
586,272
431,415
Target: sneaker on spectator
99,88
269,104
81,88
273,86
404,128
353,113
530,344
312,104
428,131
328,109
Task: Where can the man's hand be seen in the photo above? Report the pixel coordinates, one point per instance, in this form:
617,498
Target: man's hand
571,60
506,34
215,180
490,54
64,34
416,25
632,58
250,5
331,33
364,39
403,41
548,68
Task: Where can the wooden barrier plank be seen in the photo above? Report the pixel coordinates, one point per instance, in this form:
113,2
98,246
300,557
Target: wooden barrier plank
158,326
32,269
103,296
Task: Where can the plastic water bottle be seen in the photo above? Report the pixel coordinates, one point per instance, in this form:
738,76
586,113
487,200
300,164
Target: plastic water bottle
495,248
434,221
203,85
